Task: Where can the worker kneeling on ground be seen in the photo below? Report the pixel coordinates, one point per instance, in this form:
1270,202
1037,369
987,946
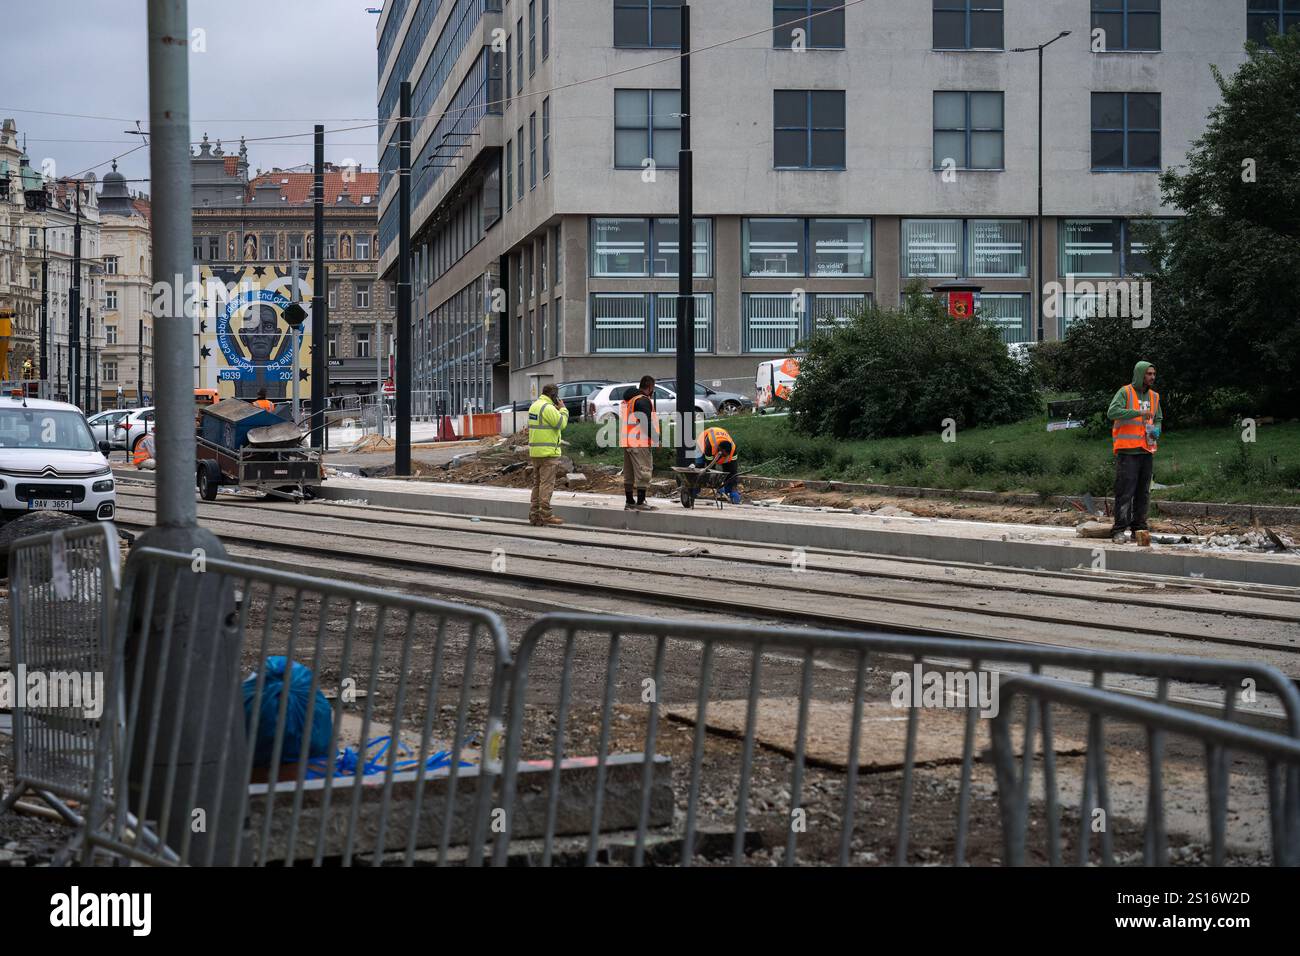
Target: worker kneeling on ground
718,450
547,418
144,456
1136,419
639,435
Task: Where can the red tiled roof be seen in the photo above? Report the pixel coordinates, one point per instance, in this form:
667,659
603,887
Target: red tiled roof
144,208
231,165
298,189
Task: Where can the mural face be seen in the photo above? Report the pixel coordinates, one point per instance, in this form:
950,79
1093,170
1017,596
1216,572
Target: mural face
243,343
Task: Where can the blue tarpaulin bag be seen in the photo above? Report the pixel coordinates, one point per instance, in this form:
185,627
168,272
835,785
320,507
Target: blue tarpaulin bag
295,718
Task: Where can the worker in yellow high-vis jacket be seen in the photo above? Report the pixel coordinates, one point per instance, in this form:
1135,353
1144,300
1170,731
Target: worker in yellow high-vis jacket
547,419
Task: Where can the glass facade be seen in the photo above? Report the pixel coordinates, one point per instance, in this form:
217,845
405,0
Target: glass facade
645,322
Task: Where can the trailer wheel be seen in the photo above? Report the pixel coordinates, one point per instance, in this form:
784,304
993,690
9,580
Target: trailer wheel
209,479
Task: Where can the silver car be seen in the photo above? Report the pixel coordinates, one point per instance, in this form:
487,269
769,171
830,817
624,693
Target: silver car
129,430
102,426
727,403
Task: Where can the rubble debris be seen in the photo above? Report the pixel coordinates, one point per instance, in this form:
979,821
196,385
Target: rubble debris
575,479
1094,529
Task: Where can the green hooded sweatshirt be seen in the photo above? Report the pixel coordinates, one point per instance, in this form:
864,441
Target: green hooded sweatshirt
1119,409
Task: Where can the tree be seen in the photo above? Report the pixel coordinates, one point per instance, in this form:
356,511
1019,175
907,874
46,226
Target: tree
1225,322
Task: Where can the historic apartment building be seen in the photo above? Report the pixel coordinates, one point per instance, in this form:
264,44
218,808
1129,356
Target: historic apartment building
265,220
838,156
125,366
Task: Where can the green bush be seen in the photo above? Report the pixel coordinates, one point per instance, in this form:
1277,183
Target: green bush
1069,463
1050,368
1030,462
904,372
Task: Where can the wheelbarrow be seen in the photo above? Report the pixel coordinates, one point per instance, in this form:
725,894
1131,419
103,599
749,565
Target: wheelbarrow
700,484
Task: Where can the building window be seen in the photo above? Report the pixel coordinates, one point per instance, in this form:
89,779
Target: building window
519,164
510,174
110,334
1127,24
1125,131
363,295
532,37
392,297
333,345
510,67
363,343
334,295
110,301
363,247
988,248
295,246
647,125
331,247
31,237
779,247
109,371
1106,248
777,322
110,265
968,24
1263,17
819,29
546,29
198,249
268,247
546,135
623,247
519,55
532,151
214,248
645,322
997,248
968,130
1009,313
808,129
543,261
647,23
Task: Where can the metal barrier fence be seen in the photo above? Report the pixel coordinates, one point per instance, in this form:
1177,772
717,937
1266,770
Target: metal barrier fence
617,678
407,765
1218,737
63,588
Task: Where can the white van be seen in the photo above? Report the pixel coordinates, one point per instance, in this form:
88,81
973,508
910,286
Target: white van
774,382
50,460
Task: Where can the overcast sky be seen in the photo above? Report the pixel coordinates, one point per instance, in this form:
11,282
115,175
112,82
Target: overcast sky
271,67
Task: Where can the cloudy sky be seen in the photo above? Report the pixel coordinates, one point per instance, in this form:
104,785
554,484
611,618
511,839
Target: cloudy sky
270,67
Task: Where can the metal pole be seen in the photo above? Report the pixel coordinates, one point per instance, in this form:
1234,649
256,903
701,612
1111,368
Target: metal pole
139,367
74,309
295,332
90,360
319,297
1038,307
379,366
685,259
402,465
45,305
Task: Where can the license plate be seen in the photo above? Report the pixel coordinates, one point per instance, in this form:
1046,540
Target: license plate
50,504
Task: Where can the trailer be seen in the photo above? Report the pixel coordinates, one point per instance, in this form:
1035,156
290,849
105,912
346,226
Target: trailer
248,447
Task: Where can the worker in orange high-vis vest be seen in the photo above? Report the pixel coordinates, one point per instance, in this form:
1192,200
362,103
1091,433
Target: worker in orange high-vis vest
639,436
718,450
263,402
1136,419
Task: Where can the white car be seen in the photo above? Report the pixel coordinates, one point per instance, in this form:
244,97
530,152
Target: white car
50,460
103,426
605,402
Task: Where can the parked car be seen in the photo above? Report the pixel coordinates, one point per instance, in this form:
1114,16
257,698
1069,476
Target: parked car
727,403
131,429
50,460
606,400
575,395
102,426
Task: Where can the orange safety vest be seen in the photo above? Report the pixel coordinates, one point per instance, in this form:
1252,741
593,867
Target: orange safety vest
713,437
266,404
634,436
143,451
1132,432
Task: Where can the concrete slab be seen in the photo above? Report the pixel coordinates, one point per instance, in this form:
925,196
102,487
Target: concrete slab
1010,545
620,811
882,742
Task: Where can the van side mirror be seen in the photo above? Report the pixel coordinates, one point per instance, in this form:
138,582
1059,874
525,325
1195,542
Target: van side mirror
105,447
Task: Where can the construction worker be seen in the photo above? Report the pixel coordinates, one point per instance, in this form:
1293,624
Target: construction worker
263,402
717,449
639,436
144,457
1136,416
547,419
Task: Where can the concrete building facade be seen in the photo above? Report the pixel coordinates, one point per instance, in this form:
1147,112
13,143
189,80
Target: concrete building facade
125,376
839,154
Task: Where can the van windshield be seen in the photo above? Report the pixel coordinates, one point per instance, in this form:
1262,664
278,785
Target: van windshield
50,429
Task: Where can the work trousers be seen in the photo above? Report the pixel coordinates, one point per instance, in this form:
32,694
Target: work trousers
544,470
1132,491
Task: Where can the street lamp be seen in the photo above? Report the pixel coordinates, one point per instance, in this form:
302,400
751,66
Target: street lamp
1039,228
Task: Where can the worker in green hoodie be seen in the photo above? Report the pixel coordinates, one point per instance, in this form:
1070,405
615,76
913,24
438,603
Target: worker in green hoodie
1136,418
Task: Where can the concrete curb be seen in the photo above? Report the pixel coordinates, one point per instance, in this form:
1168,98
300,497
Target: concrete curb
910,542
